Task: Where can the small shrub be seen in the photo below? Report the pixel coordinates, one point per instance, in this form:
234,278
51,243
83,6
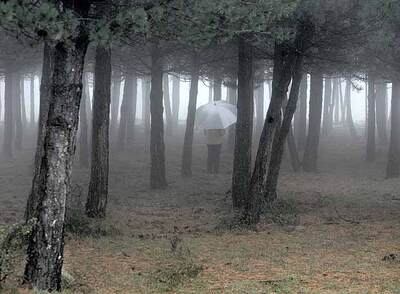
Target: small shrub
282,212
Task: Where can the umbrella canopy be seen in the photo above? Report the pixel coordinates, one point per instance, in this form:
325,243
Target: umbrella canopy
215,115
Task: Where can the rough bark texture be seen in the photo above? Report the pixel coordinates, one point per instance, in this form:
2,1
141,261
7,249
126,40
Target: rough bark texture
327,104
381,115
349,115
98,186
19,129
83,122
314,126
32,99
244,126
45,97
191,116
175,100
371,149
157,147
46,245
9,82
301,127
393,164
167,106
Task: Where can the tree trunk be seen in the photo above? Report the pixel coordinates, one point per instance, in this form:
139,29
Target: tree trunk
115,96
371,120
393,164
167,105
232,94
294,154
98,186
126,110
349,115
381,118
146,88
175,101
327,104
217,85
342,103
301,128
210,92
45,97
32,99
46,245
83,121
314,126
132,117
337,103
334,101
157,147
244,126
259,107
8,114
18,113
23,103
191,115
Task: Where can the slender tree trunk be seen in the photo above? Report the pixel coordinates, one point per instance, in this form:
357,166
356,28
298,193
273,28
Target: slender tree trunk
244,126
327,104
337,103
157,147
175,101
83,121
314,126
301,129
45,97
9,83
349,115
366,109
232,94
334,101
191,115
98,186
126,110
167,106
393,164
132,117
210,92
146,88
23,103
381,118
259,107
371,120
46,245
217,85
18,113
342,103
115,96
32,99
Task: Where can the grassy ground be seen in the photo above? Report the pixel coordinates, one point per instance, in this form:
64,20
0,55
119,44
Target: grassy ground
329,233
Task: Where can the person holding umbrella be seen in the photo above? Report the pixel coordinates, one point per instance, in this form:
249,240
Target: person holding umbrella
214,118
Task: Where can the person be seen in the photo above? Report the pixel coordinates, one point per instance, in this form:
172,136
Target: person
215,138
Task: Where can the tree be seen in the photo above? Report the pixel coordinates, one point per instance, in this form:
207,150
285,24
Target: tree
167,105
381,110
301,126
393,163
83,121
32,100
371,119
175,100
17,99
349,115
9,81
327,104
128,110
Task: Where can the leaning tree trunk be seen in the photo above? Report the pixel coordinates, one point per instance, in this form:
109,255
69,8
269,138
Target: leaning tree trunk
393,164
371,120
186,169
98,186
349,115
381,118
327,104
9,82
301,127
126,110
45,97
175,100
157,147
217,87
32,99
314,126
244,126
167,106
19,129
46,245
83,121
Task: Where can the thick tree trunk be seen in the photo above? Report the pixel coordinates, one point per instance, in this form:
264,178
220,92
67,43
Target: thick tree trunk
45,97
217,87
371,120
157,147
381,106
393,164
115,97
301,127
314,126
349,115
167,106
175,101
327,104
259,99
244,126
83,121
191,115
98,186
32,99
9,82
46,245
126,120
19,129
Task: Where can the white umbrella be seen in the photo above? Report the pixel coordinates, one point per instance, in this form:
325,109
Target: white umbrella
215,115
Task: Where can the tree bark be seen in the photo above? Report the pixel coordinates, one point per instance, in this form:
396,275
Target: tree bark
157,147
314,126
83,121
301,128
9,82
349,115
371,120
167,106
393,164
186,169
381,106
19,130
244,126
175,101
327,104
98,186
46,245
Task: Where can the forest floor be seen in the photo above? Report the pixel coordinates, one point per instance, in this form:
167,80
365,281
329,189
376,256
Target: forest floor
329,233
